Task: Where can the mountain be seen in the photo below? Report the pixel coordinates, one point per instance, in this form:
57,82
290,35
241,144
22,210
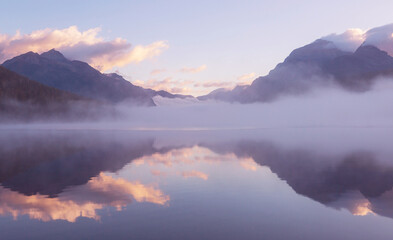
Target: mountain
53,69
317,64
22,98
359,70
165,94
18,88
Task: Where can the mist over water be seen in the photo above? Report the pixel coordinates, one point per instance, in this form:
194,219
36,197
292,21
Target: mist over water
321,107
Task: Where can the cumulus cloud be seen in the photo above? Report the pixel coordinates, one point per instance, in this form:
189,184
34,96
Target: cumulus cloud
80,45
350,40
193,70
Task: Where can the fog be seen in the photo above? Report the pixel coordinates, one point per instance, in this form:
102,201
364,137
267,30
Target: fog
331,107
320,108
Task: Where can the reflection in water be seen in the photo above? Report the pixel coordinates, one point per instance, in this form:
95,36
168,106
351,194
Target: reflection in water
63,176
194,173
355,181
43,208
81,201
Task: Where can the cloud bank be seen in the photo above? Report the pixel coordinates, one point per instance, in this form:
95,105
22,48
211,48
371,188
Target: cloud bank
80,45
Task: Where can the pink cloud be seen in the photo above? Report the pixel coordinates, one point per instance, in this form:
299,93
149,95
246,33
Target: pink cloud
194,173
247,78
193,70
157,71
80,45
80,201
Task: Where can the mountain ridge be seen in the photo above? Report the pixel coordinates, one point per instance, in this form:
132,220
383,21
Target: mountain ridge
319,63
53,69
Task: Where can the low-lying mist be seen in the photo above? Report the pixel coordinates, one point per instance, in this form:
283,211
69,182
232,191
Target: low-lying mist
331,107
323,107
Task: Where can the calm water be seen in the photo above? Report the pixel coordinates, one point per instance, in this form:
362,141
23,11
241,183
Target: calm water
249,184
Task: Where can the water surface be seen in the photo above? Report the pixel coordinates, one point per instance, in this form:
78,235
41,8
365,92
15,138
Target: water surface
243,184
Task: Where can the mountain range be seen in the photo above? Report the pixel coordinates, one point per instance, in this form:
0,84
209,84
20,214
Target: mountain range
317,64
50,80
53,69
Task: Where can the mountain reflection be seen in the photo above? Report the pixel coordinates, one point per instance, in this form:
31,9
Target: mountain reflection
355,181
60,175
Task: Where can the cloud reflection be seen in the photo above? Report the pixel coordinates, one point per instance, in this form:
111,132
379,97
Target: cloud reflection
81,201
194,173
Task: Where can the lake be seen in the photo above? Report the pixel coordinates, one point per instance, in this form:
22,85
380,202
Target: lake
291,183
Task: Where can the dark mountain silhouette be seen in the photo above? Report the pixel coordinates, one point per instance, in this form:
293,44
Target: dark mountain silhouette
16,87
22,98
53,69
317,64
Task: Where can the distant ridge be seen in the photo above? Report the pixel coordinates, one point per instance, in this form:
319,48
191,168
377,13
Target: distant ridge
317,64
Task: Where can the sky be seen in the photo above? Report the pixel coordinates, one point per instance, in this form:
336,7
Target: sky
188,47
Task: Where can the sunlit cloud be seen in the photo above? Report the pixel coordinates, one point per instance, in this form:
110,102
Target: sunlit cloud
168,159
246,78
187,87
120,56
362,208
193,70
158,173
193,155
44,208
214,84
194,173
248,164
124,189
157,71
350,40
80,45
80,201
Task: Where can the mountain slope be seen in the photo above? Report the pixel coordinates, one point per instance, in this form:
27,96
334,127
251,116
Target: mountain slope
53,69
358,70
22,99
317,64
21,89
